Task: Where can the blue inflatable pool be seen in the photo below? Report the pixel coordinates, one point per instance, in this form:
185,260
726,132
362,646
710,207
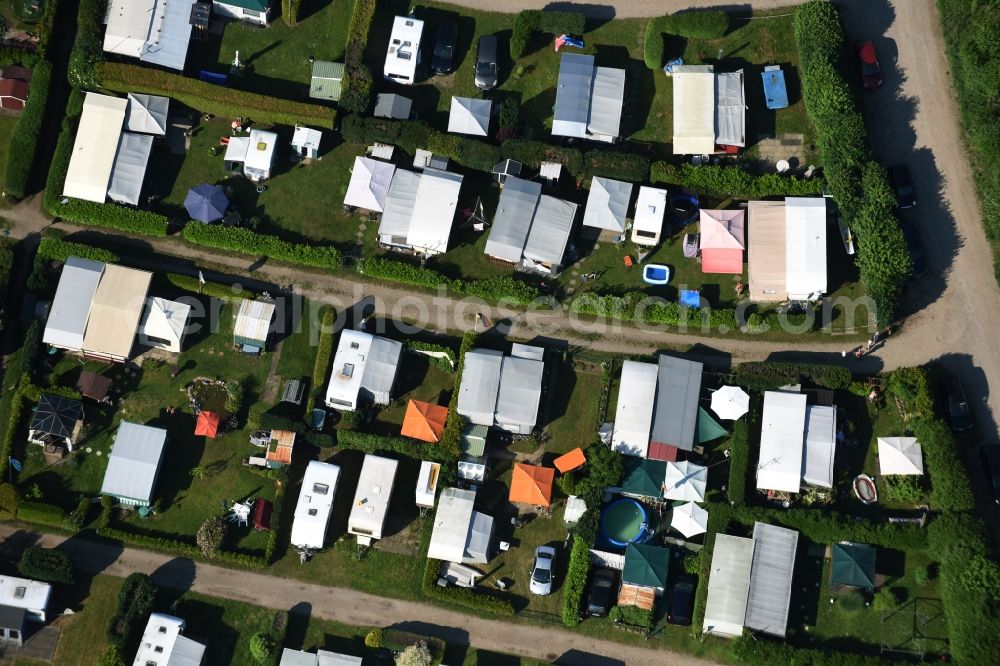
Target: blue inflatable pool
656,274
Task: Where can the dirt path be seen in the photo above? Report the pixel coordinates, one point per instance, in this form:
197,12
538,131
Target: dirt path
618,8
550,643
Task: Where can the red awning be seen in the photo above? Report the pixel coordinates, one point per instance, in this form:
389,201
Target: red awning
722,261
658,451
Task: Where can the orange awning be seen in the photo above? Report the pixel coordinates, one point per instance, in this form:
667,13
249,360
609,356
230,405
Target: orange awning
570,461
207,425
531,484
424,421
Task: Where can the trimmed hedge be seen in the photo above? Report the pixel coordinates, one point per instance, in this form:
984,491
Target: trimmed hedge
501,288
401,446
532,153
88,48
24,140
41,513
407,134
618,165
739,462
210,98
180,548
47,564
245,241
392,270
695,25
134,605
356,88
45,26
477,599
321,366
468,152
57,249
732,181
223,292
760,650
553,23
575,585
455,425
766,375
636,305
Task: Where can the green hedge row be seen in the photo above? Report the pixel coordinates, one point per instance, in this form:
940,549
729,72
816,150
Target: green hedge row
41,513
210,98
57,249
477,599
356,88
245,241
180,548
321,366
550,22
407,134
88,48
765,376
636,306
47,564
505,288
532,153
695,25
732,181
455,425
24,140
739,462
578,570
618,165
223,292
45,27
401,446
290,12
468,152
133,607
759,650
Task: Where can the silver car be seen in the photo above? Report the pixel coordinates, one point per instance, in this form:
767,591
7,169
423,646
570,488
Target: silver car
542,571
486,62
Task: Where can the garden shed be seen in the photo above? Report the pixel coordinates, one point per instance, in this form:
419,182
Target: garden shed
253,323
607,205
371,499
728,586
164,324
13,95
472,464
369,184
94,386
470,116
70,310
853,565
771,578
314,505
722,240
531,484
821,445
327,80
649,209
570,461
675,415
95,147
56,421
634,411
305,142
134,463
782,435
392,106
460,533
147,114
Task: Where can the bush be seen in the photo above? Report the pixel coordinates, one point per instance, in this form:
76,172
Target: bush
223,292
532,153
392,270
244,241
902,489
733,181
24,140
290,12
47,564
696,25
77,518
618,165
950,488
477,599
509,120
373,638
553,23
382,444
10,498
262,648
324,354
923,574
767,375
41,514
502,288
759,650
56,249
739,462
576,580
112,656
470,153
415,655
134,604
632,616
604,469
885,599
356,88
652,310
211,534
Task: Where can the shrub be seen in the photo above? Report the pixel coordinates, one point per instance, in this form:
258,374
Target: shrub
532,153
923,574
502,288
469,153
618,165
24,140
356,88
223,292
905,489
417,654
47,564
392,270
764,376
632,616
262,648
211,535
576,580
112,656
440,356
290,11
550,22
759,650
950,488
244,241
732,181
509,119
88,48
373,638
400,446
477,599
885,599
77,518
41,514
210,98
134,604
9,498
407,134
604,469
696,25
911,386
56,249
324,353
739,462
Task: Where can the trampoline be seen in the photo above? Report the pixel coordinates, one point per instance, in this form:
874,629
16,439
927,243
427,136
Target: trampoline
624,522
684,209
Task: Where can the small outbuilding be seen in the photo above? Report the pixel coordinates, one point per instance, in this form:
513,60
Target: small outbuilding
607,207
253,323
305,142
13,95
56,421
327,80
164,324
722,240
134,464
531,484
392,106
570,461
94,386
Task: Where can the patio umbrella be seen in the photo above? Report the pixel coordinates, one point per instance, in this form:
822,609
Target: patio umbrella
206,203
689,519
730,402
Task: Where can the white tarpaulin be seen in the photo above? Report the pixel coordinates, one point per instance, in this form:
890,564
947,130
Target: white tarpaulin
900,455
128,26
434,211
130,167
689,519
821,445
728,586
451,525
398,204
649,209
805,249
685,481
95,147
70,308
694,110
782,433
607,204
550,230
606,103
477,394
730,109
771,578
634,412
147,114
512,221
519,394
469,116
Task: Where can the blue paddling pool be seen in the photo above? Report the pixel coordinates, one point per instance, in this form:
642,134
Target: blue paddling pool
623,522
656,274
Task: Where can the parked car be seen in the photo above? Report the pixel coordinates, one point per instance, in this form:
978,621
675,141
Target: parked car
603,592
443,59
902,186
959,412
681,600
542,570
486,62
871,72
915,247
990,456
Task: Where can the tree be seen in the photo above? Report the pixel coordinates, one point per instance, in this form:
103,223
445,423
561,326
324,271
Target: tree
262,647
211,534
417,654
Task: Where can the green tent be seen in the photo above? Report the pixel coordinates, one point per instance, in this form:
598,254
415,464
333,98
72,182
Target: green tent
707,428
646,566
644,477
853,564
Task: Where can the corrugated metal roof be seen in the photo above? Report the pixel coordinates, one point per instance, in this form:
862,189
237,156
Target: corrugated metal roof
728,585
70,308
771,578
134,462
678,387
477,395
253,322
512,221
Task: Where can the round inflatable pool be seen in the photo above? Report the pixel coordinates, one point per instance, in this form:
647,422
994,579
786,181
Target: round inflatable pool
624,522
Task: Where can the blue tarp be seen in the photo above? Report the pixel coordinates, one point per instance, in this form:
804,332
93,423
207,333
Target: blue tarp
775,93
212,77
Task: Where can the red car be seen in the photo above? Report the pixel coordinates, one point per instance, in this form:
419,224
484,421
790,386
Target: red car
871,73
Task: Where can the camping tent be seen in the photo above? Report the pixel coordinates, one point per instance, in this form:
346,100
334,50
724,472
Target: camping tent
900,455
115,313
675,415
730,109
147,114
572,109
550,231
782,434
306,141
477,394
570,461
646,566
634,413
707,429
434,211
685,481
512,221
722,240
689,519
253,323
392,106
606,100
470,116
694,110
206,203
728,586
164,324
424,421
134,463
531,484
766,251
207,424
805,251
70,308
520,394
649,209
327,80
369,185
94,150
821,445
853,564
644,478
771,578
460,534
607,204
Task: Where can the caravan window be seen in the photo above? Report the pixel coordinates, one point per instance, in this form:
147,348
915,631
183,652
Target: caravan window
348,370
321,488
313,512
20,591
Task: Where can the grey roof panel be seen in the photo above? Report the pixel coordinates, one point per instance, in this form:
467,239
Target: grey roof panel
678,385
771,578
134,462
520,391
512,221
550,230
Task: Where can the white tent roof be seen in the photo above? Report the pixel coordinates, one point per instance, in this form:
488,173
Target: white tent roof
130,167
782,434
236,149
169,34
128,26
821,445
550,230
607,204
649,209
315,503
900,455
115,311
573,91
512,221
805,238
371,499
306,137
451,525
730,109
606,102
685,481
694,110
434,210
260,153
771,578
634,413
253,320
689,519
477,395
520,391
95,147
147,114
575,508
165,319
163,643
728,585
70,308
134,461
470,116
397,204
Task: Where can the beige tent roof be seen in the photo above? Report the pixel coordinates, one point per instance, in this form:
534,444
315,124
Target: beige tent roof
115,311
767,250
95,147
694,110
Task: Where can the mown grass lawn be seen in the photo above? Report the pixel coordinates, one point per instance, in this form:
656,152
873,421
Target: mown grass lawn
7,124
574,409
84,634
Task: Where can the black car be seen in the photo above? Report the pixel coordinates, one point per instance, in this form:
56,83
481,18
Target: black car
990,455
486,62
959,412
902,186
443,59
915,248
681,600
603,592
